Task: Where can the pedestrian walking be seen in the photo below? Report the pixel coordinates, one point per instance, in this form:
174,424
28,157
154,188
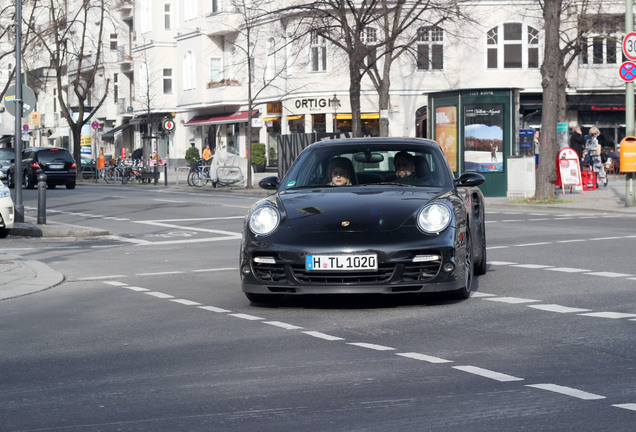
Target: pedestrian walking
577,141
597,164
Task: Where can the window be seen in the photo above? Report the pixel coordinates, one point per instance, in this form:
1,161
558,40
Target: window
270,66
512,46
369,38
216,69
167,16
430,48
189,71
318,53
113,41
116,88
167,81
600,49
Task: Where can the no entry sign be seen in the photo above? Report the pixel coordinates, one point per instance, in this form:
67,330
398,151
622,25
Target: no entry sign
627,71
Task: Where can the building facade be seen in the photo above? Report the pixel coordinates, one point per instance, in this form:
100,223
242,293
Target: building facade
202,65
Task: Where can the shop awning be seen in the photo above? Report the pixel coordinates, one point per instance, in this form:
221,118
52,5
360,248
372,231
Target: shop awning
363,116
208,119
110,135
271,119
295,117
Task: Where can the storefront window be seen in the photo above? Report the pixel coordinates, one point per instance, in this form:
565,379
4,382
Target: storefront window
319,123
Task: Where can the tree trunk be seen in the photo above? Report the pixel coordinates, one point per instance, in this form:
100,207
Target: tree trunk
550,72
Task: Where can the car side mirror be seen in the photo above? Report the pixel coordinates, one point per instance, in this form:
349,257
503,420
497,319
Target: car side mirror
470,179
269,183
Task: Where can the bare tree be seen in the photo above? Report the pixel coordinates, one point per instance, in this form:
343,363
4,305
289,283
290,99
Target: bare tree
73,40
257,21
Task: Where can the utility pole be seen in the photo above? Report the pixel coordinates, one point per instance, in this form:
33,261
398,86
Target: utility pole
19,205
629,107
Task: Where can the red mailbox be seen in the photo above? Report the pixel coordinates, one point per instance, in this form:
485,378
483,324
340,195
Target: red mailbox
628,154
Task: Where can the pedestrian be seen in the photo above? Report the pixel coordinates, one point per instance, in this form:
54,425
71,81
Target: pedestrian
595,150
577,141
207,154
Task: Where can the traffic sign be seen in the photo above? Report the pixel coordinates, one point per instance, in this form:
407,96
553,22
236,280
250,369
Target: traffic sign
28,100
168,125
95,125
25,127
629,46
628,71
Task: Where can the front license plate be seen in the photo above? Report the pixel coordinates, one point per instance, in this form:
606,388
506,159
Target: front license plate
341,262
56,166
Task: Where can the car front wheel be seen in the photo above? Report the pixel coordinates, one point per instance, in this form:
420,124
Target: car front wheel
469,272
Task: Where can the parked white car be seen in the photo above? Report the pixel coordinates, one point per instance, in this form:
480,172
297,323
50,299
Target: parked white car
7,211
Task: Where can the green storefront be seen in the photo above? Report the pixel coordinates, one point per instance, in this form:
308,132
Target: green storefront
477,129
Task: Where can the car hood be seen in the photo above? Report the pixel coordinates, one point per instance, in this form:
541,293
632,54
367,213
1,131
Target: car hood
352,209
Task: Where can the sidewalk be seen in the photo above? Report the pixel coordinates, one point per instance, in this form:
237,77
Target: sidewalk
21,276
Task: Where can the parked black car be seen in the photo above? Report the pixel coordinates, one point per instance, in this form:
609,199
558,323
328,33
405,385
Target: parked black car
89,167
57,163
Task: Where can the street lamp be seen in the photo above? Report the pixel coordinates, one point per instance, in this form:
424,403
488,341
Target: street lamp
335,104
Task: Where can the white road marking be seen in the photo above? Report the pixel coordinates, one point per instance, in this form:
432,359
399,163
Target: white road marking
246,317
159,294
568,270
501,263
497,376
101,277
282,325
558,308
610,315
531,266
324,336
168,201
629,406
371,346
214,309
423,357
511,300
568,391
571,241
477,294
186,302
136,288
214,269
115,283
609,274
159,273
532,244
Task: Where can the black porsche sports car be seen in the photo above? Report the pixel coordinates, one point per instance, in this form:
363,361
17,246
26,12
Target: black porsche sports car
417,229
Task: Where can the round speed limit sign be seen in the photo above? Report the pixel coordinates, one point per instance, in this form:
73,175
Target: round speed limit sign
629,46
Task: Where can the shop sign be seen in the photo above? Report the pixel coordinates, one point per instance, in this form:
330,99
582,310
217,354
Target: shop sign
568,169
311,104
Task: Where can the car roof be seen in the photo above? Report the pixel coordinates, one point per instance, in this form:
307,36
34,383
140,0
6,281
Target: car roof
374,141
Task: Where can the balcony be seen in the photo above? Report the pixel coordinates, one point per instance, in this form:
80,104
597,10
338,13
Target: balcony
126,8
223,23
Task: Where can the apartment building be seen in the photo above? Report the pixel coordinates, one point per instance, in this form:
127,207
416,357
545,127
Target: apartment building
186,62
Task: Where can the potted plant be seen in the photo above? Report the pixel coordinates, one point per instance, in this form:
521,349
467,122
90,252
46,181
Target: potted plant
258,157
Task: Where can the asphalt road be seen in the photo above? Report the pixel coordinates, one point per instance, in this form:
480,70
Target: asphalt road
150,332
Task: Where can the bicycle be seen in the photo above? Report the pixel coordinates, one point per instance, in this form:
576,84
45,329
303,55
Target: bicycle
113,173
131,174
199,174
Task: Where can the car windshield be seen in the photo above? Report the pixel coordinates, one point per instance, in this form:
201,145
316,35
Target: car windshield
369,165
7,154
54,155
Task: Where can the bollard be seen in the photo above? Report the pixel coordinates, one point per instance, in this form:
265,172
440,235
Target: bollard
155,173
41,199
165,175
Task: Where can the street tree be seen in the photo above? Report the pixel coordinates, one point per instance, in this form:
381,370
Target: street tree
73,41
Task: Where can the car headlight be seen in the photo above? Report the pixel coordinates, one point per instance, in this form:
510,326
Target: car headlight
4,191
264,220
434,218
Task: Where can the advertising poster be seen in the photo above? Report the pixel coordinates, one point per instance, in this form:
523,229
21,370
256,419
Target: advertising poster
483,137
446,133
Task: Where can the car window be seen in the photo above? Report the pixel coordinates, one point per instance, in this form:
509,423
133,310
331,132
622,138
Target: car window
371,166
7,154
54,155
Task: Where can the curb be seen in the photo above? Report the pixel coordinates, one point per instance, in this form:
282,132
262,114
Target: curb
32,230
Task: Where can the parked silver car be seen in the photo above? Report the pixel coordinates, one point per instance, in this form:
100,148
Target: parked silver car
7,211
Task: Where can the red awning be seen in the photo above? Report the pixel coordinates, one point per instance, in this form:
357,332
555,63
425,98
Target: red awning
237,117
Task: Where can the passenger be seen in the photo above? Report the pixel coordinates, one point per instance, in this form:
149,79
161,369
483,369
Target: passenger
404,164
340,172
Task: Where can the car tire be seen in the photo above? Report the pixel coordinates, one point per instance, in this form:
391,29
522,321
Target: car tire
263,298
28,184
4,232
10,181
469,273
51,185
70,185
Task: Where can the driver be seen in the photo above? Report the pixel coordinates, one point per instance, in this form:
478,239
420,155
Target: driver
404,164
